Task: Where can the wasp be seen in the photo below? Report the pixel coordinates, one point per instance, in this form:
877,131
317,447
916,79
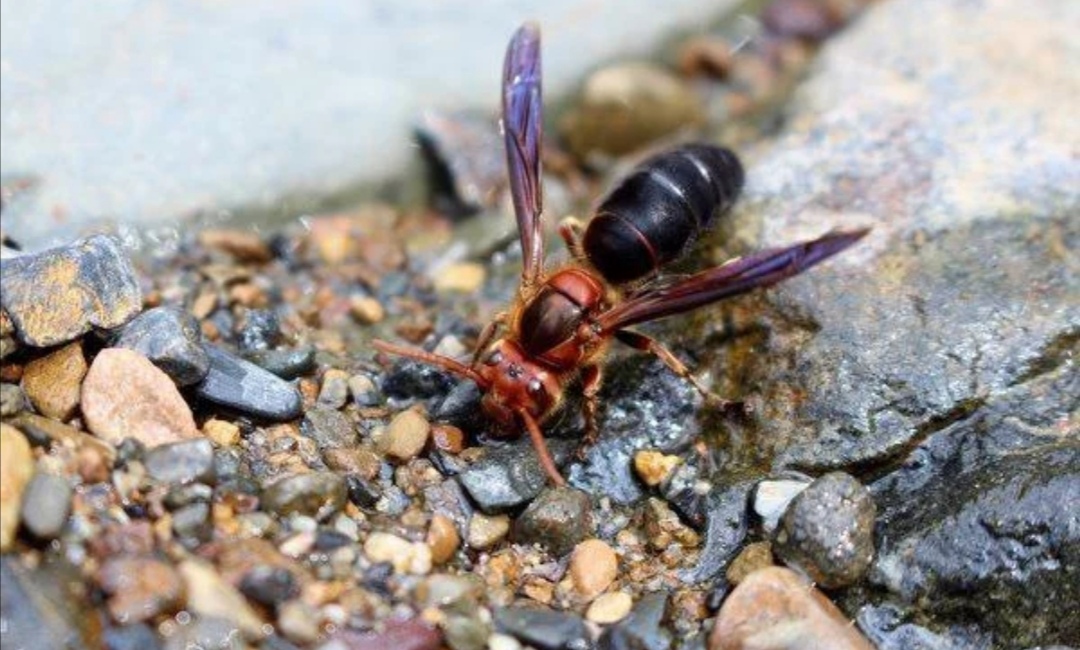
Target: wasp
562,321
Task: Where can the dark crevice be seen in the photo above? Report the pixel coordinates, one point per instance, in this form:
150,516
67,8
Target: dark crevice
1060,349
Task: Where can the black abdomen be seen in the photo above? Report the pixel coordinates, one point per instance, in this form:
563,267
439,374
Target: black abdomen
649,218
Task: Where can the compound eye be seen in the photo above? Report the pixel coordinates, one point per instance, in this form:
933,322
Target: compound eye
534,386
494,359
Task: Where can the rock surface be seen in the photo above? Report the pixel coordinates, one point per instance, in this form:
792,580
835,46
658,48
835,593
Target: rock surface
60,294
53,383
247,388
171,340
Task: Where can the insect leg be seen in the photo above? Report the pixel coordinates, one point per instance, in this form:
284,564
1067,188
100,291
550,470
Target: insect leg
571,229
590,384
487,334
540,445
639,341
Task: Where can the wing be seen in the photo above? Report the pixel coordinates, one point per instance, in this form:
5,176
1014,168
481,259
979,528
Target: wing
522,131
738,276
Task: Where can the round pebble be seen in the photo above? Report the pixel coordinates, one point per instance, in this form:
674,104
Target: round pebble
559,518
462,277
609,608
335,389
53,382
140,588
46,505
593,567
443,538
319,494
485,532
16,468
366,310
405,436
403,555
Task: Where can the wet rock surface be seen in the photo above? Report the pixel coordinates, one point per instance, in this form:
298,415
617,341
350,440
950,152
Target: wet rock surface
170,338
325,496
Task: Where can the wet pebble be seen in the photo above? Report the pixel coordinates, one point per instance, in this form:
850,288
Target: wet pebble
510,475
46,505
625,106
317,494
140,588
593,567
124,395
642,629
366,310
754,556
334,389
654,467
542,628
609,608
443,538
171,339
487,531
53,383
403,555
16,470
363,390
12,400
771,605
286,363
221,432
192,525
257,329
245,387
60,294
269,586
771,499
211,596
405,436
558,519
362,492
827,531
330,429
181,462
298,621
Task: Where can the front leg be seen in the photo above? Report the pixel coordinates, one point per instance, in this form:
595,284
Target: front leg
591,379
572,230
639,341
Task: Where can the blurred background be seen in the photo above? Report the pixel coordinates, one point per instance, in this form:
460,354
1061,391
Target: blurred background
151,112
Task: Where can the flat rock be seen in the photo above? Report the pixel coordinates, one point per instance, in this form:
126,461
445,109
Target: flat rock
171,339
16,469
774,607
124,395
53,383
60,294
247,388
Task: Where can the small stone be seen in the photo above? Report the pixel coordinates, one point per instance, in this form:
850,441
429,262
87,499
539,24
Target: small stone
181,462
16,469
485,532
140,588
754,556
299,622
191,524
256,329
559,518
448,438
366,310
124,395
813,20
774,605
363,390
286,363
654,467
241,385
609,608
363,493
450,593
405,556
642,628
771,499
44,432
828,531
330,429
405,436
663,527
511,475
60,294
443,538
465,632
46,505
623,107
318,494
461,277
334,390
542,628
209,595
499,641
593,567
222,433
12,400
245,246
269,586
171,339
53,383
361,461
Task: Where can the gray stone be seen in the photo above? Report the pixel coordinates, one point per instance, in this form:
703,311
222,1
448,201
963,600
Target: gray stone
60,294
642,629
726,517
40,609
192,523
181,462
287,363
171,339
245,387
318,494
329,429
557,519
827,531
510,475
46,505
542,628
131,637
12,399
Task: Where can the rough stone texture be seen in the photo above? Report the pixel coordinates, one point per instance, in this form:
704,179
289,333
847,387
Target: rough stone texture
510,475
16,469
319,494
181,462
171,339
777,609
62,293
53,383
245,387
558,519
124,395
